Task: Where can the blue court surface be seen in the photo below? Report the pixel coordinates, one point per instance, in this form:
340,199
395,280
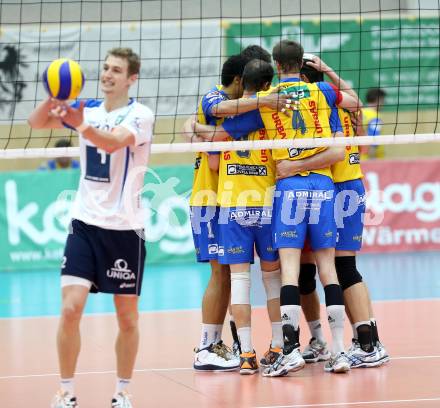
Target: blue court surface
179,287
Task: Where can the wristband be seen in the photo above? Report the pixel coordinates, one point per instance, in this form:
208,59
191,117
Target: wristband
82,127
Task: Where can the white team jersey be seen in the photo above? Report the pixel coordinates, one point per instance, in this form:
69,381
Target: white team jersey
109,189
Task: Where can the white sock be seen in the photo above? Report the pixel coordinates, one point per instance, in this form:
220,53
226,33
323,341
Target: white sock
336,317
355,333
277,335
209,335
121,384
244,334
316,330
67,385
290,315
218,333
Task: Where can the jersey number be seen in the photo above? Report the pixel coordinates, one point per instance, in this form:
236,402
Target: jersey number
97,165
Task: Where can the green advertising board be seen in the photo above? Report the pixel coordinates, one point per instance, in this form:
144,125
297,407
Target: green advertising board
34,216
399,55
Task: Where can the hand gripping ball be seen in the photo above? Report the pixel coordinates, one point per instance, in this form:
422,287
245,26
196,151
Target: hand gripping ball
63,79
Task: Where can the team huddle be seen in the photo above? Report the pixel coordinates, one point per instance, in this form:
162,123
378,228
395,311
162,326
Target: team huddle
300,209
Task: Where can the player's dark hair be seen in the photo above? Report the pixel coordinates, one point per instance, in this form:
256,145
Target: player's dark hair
373,95
256,74
312,74
133,60
289,54
232,67
256,52
63,143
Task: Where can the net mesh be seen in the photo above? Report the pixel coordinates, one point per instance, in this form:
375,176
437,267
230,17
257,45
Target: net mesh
393,45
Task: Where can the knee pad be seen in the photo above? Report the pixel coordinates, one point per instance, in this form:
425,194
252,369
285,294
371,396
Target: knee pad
272,283
306,280
346,270
240,288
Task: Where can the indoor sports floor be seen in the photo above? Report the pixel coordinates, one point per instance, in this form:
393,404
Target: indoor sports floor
406,293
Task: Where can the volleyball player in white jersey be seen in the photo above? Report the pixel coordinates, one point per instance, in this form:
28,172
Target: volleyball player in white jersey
105,249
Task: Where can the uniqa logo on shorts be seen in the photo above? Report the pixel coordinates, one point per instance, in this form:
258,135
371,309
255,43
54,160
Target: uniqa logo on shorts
120,271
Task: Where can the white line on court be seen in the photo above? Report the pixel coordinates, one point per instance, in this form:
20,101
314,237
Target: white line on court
143,370
340,404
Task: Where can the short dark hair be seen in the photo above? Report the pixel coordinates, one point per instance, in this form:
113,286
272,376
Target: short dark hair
256,52
257,73
289,55
373,94
63,143
133,60
312,74
232,67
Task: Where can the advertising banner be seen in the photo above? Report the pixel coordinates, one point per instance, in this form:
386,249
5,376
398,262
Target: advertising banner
403,212
403,202
34,216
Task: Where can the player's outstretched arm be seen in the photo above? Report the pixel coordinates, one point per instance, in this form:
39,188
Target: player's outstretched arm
210,133
42,116
108,141
273,100
350,100
333,154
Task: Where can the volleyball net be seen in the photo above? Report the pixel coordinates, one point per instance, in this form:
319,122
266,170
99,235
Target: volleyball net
390,45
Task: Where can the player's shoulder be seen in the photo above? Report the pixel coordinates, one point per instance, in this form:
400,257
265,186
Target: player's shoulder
214,93
142,110
88,103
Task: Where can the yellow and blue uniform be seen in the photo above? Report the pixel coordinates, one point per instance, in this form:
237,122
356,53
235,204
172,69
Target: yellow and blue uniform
246,184
303,204
203,200
373,125
349,193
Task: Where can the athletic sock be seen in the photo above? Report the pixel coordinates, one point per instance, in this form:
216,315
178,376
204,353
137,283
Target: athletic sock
374,330
218,333
209,335
290,314
316,330
355,333
277,335
68,385
245,336
336,315
234,331
365,335
121,385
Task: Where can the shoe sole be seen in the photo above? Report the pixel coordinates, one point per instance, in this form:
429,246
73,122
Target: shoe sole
286,370
214,369
247,371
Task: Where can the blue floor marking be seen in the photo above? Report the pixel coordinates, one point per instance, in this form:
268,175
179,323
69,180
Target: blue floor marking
180,287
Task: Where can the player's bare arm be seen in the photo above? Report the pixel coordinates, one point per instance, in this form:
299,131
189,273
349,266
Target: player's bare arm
210,133
42,116
108,141
350,99
273,100
326,158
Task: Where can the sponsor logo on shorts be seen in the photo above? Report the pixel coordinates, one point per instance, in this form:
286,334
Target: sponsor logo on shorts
270,249
120,271
289,234
212,249
354,158
246,170
357,238
235,250
310,194
328,234
244,214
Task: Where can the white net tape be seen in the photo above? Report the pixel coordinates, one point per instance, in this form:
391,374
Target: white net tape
160,148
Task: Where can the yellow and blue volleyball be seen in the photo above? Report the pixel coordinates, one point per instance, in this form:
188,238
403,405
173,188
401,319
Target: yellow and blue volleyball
63,79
